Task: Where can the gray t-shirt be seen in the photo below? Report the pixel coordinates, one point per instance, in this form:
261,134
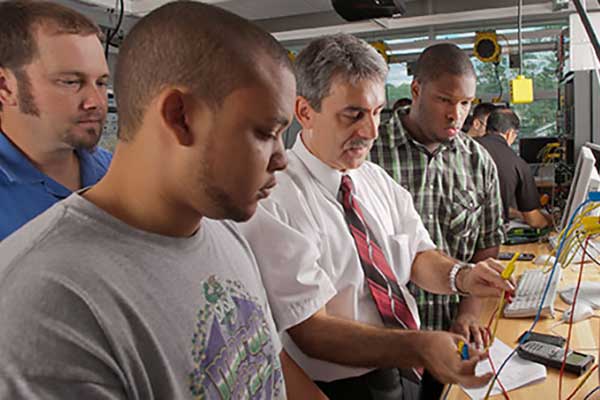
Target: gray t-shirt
91,308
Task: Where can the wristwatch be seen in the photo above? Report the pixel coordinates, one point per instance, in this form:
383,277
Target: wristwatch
454,273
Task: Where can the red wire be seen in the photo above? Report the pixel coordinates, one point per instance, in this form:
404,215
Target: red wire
577,388
489,324
564,361
504,391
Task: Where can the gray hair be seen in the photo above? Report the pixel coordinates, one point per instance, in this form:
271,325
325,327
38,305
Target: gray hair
328,57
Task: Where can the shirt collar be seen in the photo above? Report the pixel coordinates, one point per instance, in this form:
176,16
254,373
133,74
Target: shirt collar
329,177
394,134
497,137
18,169
15,164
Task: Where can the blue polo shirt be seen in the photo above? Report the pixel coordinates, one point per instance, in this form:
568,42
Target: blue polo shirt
25,192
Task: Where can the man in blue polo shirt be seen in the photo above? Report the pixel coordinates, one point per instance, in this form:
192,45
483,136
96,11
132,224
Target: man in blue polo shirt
53,102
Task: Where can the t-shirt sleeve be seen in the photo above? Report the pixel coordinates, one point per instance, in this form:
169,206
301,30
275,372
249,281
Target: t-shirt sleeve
255,282
288,260
527,196
51,346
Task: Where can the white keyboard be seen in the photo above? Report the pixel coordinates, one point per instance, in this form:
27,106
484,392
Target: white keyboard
529,294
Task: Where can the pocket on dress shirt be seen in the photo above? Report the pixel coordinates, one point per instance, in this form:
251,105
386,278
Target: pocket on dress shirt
465,212
400,256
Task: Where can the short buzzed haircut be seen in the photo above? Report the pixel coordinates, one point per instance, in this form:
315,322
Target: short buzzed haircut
19,21
331,57
482,110
501,120
185,43
440,59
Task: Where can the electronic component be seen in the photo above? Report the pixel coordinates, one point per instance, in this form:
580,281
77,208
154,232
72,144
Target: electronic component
552,356
463,350
505,255
578,312
528,295
486,47
588,292
357,10
553,340
576,253
521,90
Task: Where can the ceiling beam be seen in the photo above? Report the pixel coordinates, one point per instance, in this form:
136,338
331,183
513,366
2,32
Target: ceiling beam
502,39
487,17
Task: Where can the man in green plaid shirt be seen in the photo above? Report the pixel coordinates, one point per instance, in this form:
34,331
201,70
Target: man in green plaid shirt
453,180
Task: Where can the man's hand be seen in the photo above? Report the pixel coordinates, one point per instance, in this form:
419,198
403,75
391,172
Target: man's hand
441,358
468,325
484,279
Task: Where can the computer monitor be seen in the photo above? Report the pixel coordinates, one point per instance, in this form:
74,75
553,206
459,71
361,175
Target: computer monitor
596,152
585,180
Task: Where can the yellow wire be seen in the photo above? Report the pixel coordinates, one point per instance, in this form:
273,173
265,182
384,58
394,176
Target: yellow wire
585,378
496,320
570,241
569,237
506,274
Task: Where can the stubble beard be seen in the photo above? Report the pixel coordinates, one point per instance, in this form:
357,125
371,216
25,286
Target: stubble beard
217,195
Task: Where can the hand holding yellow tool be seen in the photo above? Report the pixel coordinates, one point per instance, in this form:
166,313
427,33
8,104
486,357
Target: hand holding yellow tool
506,274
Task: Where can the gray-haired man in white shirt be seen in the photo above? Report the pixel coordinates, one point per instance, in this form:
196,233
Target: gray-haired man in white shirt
308,256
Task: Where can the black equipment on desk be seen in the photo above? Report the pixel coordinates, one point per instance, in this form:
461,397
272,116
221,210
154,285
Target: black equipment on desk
507,255
553,340
525,235
552,356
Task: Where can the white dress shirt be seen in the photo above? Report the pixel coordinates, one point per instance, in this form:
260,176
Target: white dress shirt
308,258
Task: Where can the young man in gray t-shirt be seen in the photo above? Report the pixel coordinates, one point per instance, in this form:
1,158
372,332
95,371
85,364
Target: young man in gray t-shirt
95,308
136,288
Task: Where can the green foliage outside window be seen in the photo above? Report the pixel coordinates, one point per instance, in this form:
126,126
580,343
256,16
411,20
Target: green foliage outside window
537,118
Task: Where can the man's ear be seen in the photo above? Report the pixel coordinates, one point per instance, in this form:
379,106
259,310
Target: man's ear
415,89
512,135
174,109
8,84
304,113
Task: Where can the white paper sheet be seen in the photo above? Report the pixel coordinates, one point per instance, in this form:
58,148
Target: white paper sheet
515,374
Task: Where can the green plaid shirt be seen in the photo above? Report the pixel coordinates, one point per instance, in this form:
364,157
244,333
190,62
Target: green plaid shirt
455,190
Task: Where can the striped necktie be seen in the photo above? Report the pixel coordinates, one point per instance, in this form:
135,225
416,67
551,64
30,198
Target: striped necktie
381,280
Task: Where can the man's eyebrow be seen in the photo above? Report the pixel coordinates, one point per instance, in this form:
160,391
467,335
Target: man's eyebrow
354,108
280,120
78,74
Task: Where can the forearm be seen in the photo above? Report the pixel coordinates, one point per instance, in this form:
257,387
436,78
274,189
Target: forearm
537,219
470,305
297,384
431,271
353,343
513,213
484,254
